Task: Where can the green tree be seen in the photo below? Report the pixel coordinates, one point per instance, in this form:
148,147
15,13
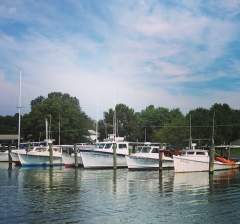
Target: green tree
201,125
223,130
152,119
173,133
126,123
64,114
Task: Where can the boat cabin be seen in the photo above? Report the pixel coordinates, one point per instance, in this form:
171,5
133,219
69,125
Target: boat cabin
195,153
109,145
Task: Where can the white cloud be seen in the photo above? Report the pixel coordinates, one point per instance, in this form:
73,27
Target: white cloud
149,51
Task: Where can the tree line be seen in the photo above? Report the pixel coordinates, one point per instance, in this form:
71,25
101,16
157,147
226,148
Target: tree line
69,124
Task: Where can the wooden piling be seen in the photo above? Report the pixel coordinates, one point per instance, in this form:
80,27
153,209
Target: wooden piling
160,157
115,156
76,155
211,158
9,156
28,148
134,149
50,154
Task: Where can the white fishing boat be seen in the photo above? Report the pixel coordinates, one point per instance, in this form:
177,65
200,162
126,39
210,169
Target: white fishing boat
147,157
68,156
23,150
4,156
40,156
102,155
196,160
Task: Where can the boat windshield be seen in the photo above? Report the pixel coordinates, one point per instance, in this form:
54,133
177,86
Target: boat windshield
100,145
155,150
108,146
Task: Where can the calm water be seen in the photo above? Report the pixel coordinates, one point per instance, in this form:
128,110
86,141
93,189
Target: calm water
61,195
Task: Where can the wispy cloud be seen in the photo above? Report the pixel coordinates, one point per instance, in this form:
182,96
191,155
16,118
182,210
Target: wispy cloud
168,53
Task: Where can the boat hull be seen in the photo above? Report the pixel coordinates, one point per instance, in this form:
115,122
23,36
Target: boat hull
15,158
93,159
182,165
39,160
4,156
138,162
69,160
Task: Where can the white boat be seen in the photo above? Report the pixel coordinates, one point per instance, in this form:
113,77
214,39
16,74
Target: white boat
41,157
102,155
69,157
195,160
22,150
4,156
147,157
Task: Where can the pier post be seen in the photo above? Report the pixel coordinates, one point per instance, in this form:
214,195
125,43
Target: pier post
9,156
130,150
134,149
211,158
160,157
28,148
50,154
76,155
115,156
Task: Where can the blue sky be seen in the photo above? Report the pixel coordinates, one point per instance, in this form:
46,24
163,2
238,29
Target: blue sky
174,54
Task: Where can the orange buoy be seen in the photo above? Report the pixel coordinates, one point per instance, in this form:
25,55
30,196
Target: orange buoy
220,159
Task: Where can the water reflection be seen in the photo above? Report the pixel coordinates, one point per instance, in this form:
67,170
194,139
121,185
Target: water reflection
59,195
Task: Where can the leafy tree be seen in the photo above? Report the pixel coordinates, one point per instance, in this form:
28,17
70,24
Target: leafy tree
152,119
236,125
201,125
9,124
173,133
126,123
223,123
64,114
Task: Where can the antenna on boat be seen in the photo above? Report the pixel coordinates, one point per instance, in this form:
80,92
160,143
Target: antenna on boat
46,131
213,128
50,127
190,139
19,106
97,119
114,117
59,129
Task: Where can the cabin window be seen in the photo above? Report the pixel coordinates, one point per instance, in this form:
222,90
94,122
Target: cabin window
139,150
122,146
155,150
108,145
200,153
101,146
190,153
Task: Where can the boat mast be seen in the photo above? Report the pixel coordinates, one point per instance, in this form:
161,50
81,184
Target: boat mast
59,129
190,139
46,131
213,128
19,107
114,117
97,119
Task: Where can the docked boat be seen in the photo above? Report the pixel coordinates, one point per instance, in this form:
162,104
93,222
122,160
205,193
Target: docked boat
68,156
4,156
147,157
195,160
40,156
23,150
101,156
